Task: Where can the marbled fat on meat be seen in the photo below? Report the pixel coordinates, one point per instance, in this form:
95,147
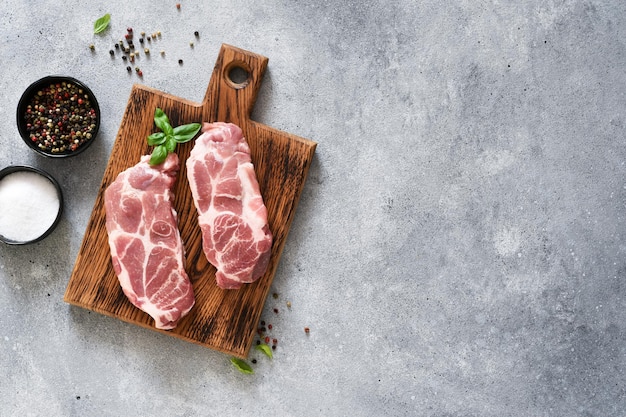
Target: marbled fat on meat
236,237
146,248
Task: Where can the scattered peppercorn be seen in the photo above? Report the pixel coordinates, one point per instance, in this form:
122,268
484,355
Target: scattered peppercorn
269,326
307,330
143,33
275,295
178,6
129,69
140,73
262,322
136,69
196,34
253,361
159,34
267,339
124,58
180,62
276,310
288,304
191,44
258,342
140,40
112,52
92,46
273,347
117,46
129,30
275,341
146,50
162,52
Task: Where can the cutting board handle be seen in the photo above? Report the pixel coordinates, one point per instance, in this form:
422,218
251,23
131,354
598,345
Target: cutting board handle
234,85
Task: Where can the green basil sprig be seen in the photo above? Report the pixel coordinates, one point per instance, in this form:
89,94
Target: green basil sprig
166,140
102,23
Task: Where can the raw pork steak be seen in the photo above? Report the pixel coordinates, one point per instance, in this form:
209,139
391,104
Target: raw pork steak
236,237
146,249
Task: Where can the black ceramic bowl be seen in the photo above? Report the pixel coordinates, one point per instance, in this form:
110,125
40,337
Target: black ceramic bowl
58,116
45,229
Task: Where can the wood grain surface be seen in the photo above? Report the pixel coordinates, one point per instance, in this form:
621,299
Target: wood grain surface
225,320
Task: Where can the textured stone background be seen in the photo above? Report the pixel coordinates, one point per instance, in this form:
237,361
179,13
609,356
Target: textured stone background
459,249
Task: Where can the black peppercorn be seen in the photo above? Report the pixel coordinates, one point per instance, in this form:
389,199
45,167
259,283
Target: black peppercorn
180,62
112,52
129,69
60,118
196,34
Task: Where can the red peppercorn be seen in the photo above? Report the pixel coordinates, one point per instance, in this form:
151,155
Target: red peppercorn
275,341
267,339
140,73
276,310
129,30
178,6
307,330
269,326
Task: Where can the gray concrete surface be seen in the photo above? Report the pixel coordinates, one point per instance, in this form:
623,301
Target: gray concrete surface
459,249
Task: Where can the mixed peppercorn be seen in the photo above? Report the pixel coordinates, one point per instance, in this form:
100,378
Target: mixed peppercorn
129,54
60,118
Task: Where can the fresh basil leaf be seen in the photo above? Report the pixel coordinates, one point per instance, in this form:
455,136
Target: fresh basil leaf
265,349
102,23
185,133
170,143
162,122
242,366
157,138
158,155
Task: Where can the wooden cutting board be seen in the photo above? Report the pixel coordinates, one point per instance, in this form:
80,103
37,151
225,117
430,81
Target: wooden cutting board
225,320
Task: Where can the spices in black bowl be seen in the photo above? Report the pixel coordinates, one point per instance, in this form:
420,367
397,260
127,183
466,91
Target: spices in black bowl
58,116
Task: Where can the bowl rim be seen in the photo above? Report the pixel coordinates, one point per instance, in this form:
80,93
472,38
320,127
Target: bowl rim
27,168
28,94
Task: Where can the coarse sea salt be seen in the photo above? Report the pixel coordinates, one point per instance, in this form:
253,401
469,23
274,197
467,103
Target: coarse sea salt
29,205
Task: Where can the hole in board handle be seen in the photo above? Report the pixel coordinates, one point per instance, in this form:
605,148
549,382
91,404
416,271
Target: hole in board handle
237,74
